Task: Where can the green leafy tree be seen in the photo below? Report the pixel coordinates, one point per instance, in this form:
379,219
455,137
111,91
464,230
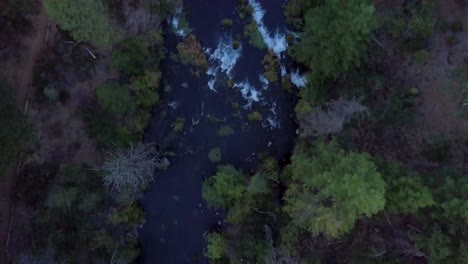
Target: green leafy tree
225,188
405,192
115,99
86,20
132,57
216,246
336,36
331,189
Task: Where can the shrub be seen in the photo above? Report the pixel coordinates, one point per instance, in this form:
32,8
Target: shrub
226,22
132,57
190,52
216,246
215,155
254,116
115,99
86,20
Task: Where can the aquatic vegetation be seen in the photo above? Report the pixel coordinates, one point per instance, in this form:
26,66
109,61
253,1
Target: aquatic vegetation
226,23
271,65
225,130
215,155
190,52
230,83
236,44
254,116
255,38
180,25
178,124
286,83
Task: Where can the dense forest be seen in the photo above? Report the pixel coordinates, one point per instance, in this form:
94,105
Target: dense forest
377,171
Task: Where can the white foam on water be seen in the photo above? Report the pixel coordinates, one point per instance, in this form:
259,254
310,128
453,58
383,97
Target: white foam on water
173,104
175,22
264,81
297,79
276,42
283,70
224,57
211,84
248,92
272,122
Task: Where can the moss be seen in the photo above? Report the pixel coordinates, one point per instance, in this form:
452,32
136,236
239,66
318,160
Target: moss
236,44
179,124
225,131
190,52
226,22
254,116
287,84
215,155
167,88
271,76
255,38
271,64
230,83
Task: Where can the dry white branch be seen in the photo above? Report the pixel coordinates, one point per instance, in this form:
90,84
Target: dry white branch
276,256
131,170
331,117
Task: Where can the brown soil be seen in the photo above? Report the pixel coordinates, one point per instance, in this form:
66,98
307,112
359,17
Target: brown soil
22,73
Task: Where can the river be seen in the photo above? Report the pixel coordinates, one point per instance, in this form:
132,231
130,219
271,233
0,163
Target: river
176,215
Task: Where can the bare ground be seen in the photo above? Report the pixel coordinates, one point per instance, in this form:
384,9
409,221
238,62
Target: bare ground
21,71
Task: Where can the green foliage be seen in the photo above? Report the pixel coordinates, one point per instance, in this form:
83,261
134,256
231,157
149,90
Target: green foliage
438,150
436,244
215,155
226,22
15,130
132,57
225,131
422,22
178,124
336,36
255,38
258,184
115,99
295,9
331,189
405,192
146,88
254,116
422,56
225,188
216,246
86,20
102,126
51,93
190,52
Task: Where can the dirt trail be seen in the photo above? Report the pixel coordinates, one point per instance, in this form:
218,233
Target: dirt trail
31,46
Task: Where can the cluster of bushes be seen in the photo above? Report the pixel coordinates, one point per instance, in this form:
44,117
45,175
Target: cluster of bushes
78,218
321,196
124,107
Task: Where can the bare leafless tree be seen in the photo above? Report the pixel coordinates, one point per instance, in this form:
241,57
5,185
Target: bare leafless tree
331,117
131,170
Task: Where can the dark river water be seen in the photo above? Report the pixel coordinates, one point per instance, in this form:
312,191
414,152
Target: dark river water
176,215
